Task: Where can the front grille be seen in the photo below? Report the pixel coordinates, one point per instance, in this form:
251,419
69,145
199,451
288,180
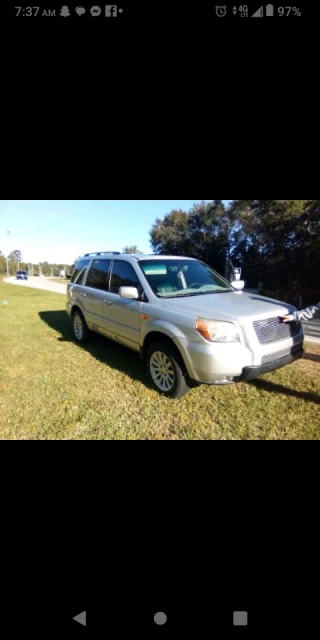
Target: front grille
271,357
274,329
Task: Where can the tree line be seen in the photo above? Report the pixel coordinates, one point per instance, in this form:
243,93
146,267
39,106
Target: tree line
14,261
276,242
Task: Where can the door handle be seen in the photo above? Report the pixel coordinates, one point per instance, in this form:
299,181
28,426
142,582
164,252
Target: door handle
107,302
84,295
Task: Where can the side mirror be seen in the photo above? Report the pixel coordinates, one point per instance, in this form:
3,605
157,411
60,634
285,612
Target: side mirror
129,293
238,284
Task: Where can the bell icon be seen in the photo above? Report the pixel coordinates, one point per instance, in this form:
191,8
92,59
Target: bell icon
65,12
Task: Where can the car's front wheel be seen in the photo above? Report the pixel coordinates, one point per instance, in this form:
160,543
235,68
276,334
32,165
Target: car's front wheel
80,329
166,370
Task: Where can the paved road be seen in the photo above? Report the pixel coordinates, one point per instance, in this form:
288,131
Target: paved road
38,283
312,331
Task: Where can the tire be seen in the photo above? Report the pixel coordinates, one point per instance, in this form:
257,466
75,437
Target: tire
160,355
80,330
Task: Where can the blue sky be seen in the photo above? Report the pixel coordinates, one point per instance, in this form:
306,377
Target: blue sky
61,230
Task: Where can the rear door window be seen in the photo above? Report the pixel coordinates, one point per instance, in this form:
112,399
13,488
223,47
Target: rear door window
98,276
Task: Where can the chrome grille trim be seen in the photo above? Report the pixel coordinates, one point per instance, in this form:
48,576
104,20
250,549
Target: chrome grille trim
273,329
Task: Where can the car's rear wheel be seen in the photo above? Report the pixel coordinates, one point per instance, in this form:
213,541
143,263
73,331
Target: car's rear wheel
166,370
80,329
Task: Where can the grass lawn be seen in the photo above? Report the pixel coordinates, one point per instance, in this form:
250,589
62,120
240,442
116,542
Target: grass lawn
51,388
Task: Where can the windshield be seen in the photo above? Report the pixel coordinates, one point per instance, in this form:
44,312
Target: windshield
22,273
182,277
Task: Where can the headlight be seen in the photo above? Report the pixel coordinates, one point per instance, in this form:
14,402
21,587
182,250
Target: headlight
216,331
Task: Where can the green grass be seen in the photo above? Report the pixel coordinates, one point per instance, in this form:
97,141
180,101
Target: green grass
51,388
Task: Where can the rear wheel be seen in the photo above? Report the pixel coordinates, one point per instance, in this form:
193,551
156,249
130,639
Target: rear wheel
166,370
80,329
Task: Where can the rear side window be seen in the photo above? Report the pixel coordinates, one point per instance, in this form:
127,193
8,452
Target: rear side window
78,273
98,276
124,275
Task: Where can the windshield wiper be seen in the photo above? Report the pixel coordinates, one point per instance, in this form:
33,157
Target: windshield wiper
214,292
179,295
190,295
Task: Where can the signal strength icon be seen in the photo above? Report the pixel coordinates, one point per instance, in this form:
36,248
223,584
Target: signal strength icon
258,14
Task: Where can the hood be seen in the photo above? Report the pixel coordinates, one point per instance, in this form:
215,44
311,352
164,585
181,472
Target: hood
241,307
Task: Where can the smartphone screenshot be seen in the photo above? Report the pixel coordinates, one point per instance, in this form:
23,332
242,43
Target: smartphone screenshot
125,321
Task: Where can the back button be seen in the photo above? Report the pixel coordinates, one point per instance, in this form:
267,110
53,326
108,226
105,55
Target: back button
81,618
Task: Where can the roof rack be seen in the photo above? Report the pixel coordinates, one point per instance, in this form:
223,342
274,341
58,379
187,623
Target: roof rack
102,253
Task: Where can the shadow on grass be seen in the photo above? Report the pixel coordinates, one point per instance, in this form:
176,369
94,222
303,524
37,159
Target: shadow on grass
272,387
111,353
311,356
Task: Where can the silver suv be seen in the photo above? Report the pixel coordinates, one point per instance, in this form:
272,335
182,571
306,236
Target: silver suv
189,324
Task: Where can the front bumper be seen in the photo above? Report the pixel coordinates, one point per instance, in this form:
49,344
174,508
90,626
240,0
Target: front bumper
249,373
214,363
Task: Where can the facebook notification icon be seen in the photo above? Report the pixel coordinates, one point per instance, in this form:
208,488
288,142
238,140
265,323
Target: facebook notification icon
111,10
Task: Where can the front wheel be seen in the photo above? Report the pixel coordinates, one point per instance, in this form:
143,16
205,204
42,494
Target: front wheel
166,370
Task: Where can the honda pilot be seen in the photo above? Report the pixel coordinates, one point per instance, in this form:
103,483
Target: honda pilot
189,324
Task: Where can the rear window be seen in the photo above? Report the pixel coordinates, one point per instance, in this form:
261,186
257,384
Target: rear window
21,273
79,271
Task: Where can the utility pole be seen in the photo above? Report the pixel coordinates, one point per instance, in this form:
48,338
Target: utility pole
8,233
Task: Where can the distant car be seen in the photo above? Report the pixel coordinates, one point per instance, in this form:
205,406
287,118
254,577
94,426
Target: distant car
21,275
